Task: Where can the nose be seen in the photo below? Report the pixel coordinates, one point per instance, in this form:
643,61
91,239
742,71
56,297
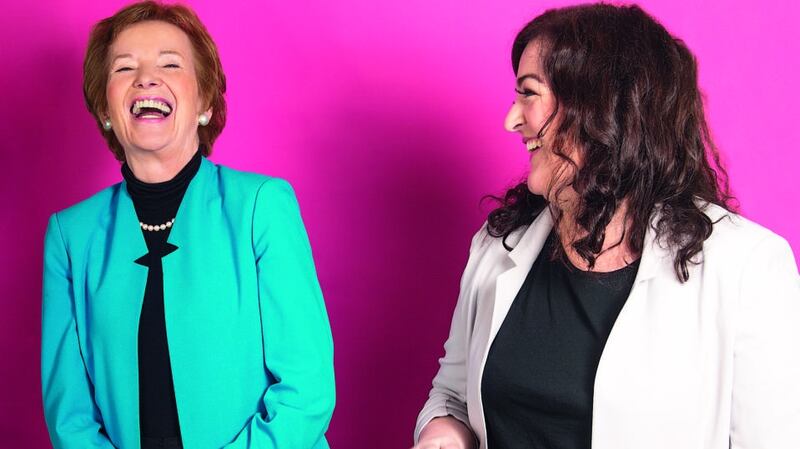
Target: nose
145,79
514,119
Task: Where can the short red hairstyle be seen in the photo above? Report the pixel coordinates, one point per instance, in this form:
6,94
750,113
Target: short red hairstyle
210,77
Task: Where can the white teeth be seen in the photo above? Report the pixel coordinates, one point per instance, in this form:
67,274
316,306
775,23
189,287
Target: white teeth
160,105
533,144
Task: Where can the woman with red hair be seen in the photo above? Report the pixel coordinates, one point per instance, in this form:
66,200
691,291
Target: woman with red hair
181,306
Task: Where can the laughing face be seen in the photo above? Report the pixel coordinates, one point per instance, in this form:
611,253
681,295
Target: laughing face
152,90
532,106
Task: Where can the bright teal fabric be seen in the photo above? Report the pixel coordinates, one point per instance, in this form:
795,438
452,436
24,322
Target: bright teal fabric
249,338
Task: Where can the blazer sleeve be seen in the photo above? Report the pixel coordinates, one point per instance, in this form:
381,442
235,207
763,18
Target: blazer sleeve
449,393
298,347
766,371
72,417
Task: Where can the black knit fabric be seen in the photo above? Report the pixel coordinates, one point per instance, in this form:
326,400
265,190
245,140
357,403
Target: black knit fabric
538,381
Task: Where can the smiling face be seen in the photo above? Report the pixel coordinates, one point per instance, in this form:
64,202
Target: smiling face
532,107
152,90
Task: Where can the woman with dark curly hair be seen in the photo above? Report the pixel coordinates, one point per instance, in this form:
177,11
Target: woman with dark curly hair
181,306
624,223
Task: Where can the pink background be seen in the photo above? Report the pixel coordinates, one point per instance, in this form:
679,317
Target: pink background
387,119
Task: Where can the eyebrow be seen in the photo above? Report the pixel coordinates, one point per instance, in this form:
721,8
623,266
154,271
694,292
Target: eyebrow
170,52
124,55
529,75
165,52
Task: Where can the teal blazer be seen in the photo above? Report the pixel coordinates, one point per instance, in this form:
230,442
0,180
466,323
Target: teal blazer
248,334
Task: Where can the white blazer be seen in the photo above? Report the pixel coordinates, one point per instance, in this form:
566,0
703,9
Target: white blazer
711,363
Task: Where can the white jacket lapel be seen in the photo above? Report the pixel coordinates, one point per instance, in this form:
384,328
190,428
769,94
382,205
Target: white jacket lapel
523,255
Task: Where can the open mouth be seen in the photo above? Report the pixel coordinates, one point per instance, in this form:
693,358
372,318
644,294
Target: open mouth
533,144
151,108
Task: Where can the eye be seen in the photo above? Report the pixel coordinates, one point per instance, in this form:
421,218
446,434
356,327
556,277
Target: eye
123,69
525,92
172,66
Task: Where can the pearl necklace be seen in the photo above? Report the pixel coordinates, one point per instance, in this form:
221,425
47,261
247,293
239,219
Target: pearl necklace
160,227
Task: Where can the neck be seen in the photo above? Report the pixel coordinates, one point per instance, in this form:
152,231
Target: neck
160,165
611,257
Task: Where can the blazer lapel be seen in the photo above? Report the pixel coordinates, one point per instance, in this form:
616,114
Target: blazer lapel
184,267
190,278
625,369
523,255
193,206
507,284
118,300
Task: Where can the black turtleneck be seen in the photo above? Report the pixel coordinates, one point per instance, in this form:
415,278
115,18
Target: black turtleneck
157,203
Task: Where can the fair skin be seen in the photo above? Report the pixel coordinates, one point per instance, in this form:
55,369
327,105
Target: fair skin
154,60
446,432
533,105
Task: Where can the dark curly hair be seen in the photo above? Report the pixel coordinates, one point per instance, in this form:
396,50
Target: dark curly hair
629,101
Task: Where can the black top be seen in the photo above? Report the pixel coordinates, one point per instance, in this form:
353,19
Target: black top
538,381
157,203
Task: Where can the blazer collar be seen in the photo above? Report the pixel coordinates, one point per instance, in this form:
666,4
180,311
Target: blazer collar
655,260
127,241
528,243
198,195
195,203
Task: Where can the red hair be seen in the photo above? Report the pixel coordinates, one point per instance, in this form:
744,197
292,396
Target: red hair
210,77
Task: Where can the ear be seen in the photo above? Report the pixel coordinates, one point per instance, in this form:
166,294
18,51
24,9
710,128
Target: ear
208,112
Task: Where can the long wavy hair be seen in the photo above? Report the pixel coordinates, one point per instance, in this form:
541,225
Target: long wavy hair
627,99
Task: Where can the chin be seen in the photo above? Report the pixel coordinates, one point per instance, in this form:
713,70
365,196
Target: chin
152,144
535,186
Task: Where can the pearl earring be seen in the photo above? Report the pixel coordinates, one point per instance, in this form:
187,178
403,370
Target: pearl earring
202,120
107,124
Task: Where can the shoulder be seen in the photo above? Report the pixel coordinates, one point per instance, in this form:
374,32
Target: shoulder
239,179
270,200
276,214
483,242
489,255
736,243
73,226
736,236
256,184
481,238
87,212
248,192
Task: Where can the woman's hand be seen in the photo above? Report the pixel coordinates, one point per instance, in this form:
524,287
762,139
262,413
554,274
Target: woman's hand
446,432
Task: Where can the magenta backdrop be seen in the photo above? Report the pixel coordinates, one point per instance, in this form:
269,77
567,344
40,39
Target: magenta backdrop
387,119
